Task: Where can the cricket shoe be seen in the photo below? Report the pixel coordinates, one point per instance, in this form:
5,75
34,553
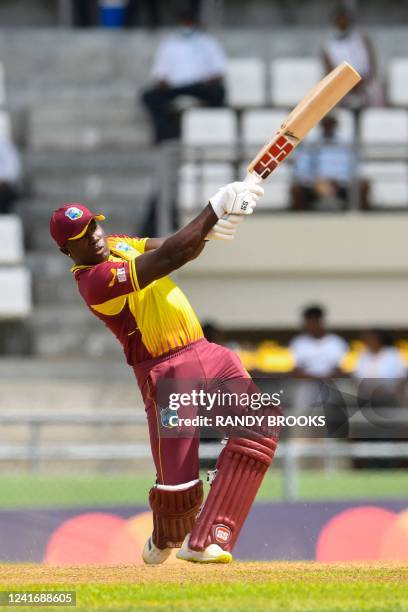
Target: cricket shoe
212,554
153,555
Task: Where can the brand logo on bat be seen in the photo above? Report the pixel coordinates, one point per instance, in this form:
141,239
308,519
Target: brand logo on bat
222,533
73,213
276,153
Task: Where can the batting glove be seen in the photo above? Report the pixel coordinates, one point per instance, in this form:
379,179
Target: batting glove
225,228
237,198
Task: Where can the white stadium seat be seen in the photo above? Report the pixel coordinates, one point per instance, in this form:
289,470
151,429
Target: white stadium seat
15,282
291,79
398,81
198,182
11,240
246,82
384,132
388,183
258,126
210,132
5,125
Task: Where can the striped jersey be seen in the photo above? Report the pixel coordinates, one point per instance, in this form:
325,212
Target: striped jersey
147,322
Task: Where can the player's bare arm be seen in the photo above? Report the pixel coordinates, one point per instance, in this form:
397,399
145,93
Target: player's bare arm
163,256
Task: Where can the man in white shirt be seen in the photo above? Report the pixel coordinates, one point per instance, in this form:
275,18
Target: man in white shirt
317,353
187,63
348,43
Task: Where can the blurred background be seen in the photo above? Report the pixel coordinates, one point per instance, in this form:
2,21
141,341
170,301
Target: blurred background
142,110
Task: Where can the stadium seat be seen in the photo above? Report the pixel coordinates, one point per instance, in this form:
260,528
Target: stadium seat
11,240
15,300
258,126
246,82
398,81
198,182
209,133
291,79
5,125
384,133
388,183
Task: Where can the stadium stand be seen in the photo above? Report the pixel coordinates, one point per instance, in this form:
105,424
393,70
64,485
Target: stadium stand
212,133
290,79
384,133
388,183
246,82
398,81
15,279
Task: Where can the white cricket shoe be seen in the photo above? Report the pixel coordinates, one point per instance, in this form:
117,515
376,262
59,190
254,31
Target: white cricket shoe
212,554
153,555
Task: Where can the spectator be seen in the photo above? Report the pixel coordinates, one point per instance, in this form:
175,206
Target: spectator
324,172
10,175
348,44
380,376
188,63
317,353
380,359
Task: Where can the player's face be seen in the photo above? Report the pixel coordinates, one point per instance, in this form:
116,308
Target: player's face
92,248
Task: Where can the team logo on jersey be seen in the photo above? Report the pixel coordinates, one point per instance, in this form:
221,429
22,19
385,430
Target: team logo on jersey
166,415
124,247
222,533
74,213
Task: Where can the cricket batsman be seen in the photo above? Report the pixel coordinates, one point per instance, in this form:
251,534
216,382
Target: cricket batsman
123,280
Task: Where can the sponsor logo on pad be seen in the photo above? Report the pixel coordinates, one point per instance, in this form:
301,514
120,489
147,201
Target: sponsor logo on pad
222,533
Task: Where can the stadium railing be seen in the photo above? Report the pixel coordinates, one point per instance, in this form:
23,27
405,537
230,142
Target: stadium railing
290,452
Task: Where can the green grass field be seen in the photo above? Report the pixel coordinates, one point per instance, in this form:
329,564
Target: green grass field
19,491
239,587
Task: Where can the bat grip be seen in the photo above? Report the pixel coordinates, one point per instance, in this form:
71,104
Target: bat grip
252,178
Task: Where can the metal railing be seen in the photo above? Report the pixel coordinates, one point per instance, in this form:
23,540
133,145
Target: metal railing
289,453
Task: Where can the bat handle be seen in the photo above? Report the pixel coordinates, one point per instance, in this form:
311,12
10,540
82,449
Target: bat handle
252,178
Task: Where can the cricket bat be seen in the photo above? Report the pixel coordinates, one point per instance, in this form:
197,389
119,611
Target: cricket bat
314,106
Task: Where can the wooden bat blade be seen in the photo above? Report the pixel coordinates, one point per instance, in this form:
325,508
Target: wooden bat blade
310,110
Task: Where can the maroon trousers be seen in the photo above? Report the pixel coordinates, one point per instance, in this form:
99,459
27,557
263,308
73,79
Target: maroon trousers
176,459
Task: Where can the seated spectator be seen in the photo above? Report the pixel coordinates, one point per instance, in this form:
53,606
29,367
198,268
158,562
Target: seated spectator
380,376
318,355
381,360
324,172
188,63
10,175
348,44
317,352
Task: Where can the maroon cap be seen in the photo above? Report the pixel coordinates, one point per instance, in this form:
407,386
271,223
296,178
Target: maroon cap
70,222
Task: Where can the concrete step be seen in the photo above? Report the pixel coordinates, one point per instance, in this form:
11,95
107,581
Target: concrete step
87,137
83,111
48,163
91,186
60,330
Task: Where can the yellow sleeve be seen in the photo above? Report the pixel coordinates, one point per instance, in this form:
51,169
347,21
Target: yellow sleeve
138,243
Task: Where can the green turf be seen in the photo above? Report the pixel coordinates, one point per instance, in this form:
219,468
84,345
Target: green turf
19,491
316,596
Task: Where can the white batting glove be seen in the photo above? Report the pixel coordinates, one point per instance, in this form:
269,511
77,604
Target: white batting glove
237,198
225,228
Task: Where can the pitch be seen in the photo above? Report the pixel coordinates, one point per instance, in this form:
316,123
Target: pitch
241,586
